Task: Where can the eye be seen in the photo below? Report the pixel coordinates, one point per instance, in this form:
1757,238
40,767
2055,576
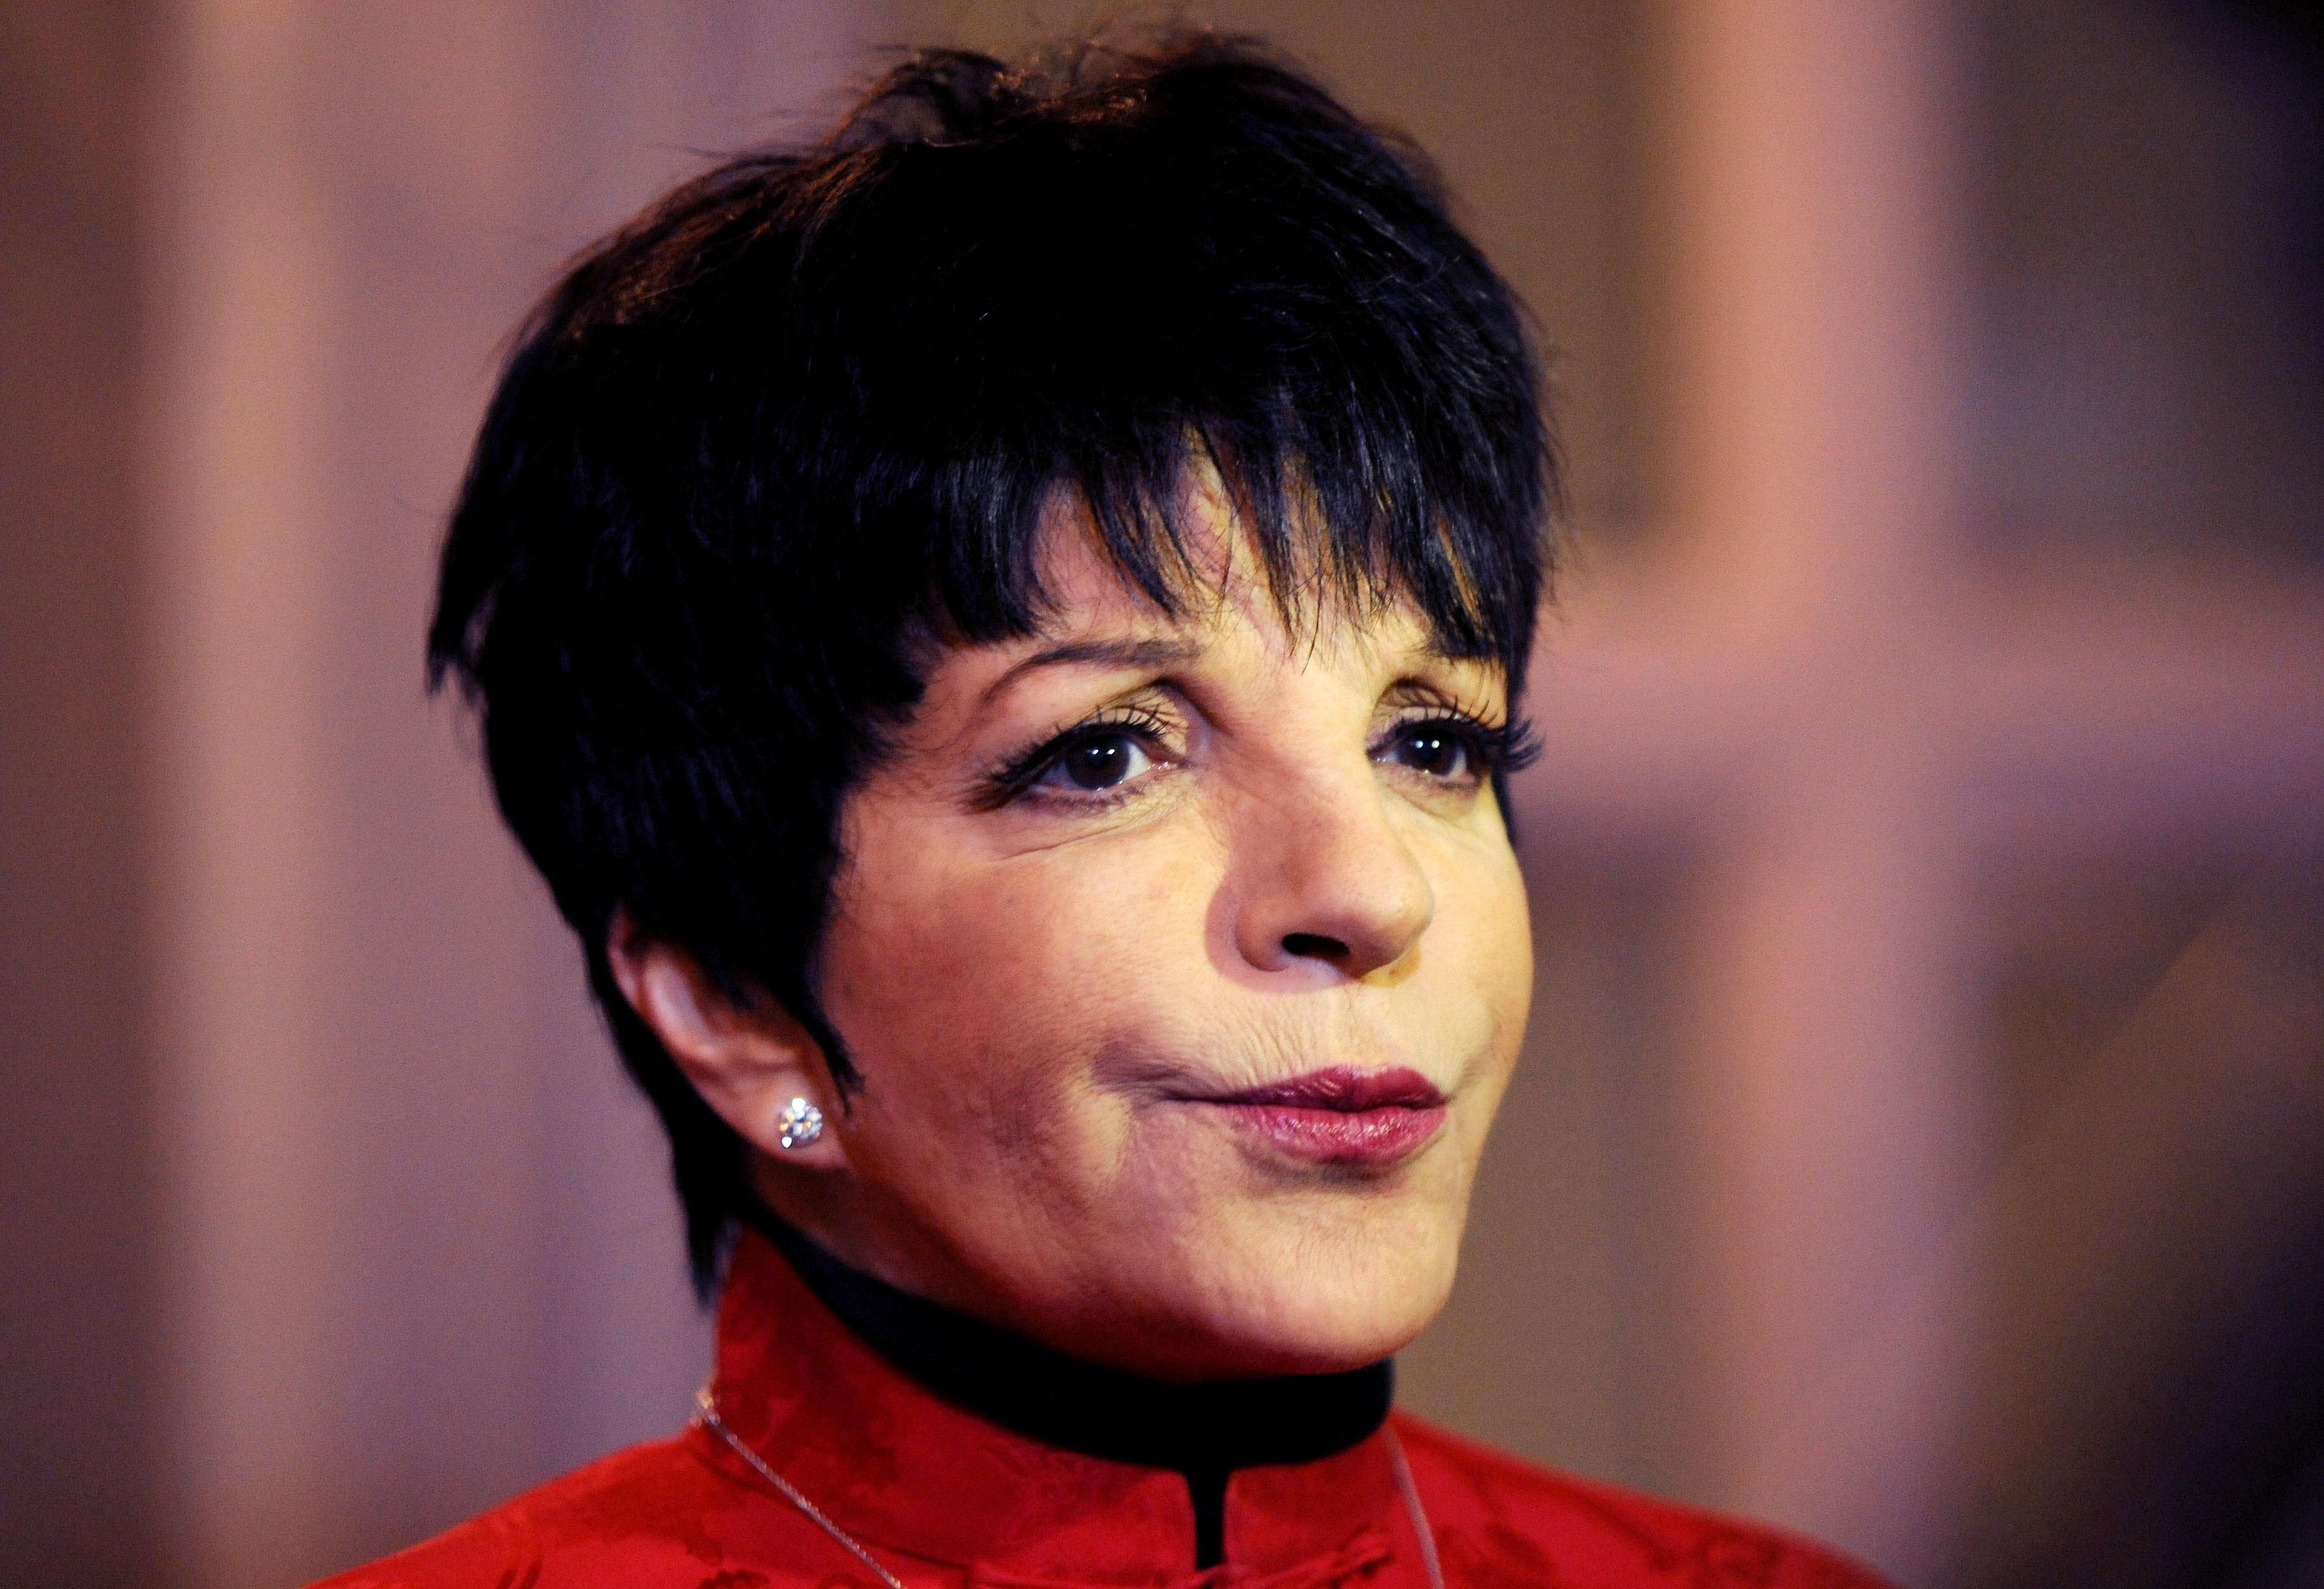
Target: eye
1096,760
1434,747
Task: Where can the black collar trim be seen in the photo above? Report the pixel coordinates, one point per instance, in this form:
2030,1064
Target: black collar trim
1196,1429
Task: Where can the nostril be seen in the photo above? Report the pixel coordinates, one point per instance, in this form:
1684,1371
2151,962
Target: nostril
1313,945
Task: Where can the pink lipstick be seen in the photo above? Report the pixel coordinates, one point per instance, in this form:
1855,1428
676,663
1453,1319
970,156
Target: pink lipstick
1340,1115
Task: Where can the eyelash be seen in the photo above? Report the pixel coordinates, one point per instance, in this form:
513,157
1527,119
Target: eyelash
1013,778
1493,748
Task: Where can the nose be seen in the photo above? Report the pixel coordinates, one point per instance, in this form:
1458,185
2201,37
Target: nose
1325,882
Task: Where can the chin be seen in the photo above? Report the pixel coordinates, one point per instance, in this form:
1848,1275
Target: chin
1316,1300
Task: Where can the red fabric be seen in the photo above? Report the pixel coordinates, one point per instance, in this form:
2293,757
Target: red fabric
941,1498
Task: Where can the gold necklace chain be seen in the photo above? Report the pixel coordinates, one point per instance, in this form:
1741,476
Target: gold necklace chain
707,1417
706,1414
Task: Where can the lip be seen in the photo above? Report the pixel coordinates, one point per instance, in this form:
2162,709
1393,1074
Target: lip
1365,1119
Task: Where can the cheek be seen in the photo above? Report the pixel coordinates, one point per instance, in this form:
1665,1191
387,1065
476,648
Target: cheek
1489,942
1512,949
978,998
1003,978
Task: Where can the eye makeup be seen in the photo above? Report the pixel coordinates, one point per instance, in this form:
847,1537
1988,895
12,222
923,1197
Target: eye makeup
1147,722
1486,749
1490,743
1415,742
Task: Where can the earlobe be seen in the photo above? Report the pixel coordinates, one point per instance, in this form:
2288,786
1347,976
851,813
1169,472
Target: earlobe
751,1061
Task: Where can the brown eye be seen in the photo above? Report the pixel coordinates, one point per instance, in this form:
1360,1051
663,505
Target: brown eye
1434,749
1098,762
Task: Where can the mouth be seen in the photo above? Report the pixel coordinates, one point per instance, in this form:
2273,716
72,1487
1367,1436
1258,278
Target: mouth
1359,1119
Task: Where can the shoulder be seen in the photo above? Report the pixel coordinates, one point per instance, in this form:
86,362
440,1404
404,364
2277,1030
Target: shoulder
621,1522
1501,1521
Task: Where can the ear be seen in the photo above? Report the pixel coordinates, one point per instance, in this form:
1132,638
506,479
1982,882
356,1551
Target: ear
748,1061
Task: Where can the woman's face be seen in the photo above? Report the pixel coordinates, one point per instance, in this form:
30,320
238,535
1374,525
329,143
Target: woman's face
1184,961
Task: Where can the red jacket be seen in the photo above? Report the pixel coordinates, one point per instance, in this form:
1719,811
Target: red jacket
940,1497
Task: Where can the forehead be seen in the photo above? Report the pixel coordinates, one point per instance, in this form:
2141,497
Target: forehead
1219,580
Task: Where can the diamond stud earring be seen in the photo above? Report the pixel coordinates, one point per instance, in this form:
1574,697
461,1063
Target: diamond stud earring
800,1122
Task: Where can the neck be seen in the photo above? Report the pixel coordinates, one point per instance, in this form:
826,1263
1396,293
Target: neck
1203,1431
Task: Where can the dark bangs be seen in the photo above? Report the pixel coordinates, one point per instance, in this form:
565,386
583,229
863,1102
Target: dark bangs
1098,287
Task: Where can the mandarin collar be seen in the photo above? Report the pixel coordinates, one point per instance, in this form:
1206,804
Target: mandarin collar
902,1468
1208,1429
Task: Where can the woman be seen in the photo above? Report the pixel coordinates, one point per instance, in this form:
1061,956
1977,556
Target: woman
1000,629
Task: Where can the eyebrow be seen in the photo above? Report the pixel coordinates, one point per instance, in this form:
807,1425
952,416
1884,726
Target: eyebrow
1155,652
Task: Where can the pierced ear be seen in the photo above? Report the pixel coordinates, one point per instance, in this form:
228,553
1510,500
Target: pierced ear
752,1062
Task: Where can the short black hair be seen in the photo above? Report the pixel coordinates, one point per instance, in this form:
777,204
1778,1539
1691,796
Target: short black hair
763,451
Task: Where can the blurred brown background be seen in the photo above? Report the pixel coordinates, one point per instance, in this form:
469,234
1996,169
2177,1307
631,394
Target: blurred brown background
1922,1136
